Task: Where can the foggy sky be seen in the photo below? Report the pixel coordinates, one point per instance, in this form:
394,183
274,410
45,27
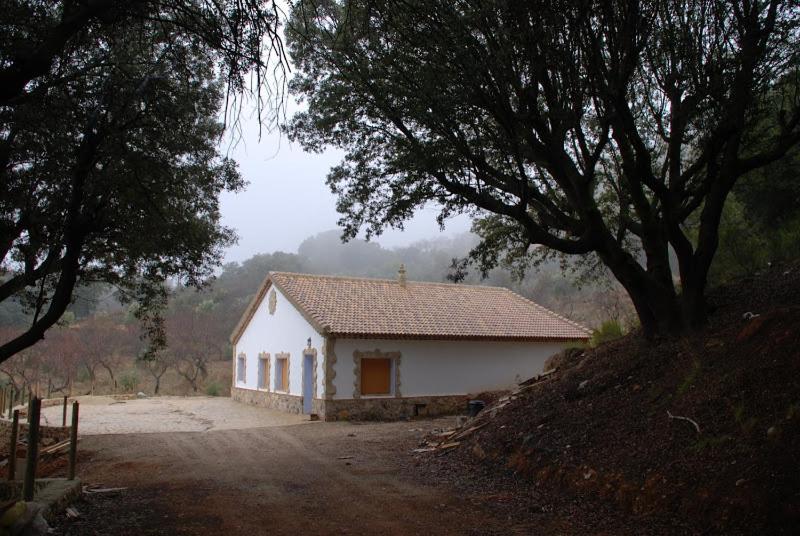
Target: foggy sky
287,199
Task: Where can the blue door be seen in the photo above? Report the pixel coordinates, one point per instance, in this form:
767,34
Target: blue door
308,382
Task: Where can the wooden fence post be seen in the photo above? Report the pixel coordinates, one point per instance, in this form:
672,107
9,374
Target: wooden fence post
32,459
73,441
64,416
12,453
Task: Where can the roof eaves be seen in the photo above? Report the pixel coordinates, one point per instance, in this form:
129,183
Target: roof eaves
250,310
259,297
453,337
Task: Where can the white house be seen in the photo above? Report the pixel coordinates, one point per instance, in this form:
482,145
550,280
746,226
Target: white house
345,347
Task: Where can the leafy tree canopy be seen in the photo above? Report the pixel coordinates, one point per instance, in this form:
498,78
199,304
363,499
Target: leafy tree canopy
109,125
594,129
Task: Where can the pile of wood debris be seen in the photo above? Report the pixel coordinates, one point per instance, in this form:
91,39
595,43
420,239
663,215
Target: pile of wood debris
444,440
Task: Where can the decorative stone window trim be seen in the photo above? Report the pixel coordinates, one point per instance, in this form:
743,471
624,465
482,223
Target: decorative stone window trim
267,375
395,358
243,357
287,356
313,353
329,356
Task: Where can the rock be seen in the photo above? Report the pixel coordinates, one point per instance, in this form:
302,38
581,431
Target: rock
740,482
141,395
31,522
478,452
753,326
12,514
583,384
772,432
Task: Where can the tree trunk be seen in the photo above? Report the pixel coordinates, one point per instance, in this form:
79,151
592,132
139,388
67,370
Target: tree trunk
110,374
92,379
651,291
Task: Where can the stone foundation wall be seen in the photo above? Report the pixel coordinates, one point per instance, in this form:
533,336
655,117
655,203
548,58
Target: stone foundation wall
362,409
280,401
390,409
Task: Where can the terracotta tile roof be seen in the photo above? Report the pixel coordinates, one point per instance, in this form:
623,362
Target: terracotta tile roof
382,308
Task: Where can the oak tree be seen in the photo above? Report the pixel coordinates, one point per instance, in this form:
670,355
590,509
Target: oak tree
110,120
581,128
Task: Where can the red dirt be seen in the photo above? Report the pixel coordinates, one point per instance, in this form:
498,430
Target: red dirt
606,455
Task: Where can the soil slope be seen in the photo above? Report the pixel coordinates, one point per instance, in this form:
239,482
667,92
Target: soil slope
610,438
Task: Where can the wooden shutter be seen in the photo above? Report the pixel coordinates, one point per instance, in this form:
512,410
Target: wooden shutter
285,375
262,372
376,376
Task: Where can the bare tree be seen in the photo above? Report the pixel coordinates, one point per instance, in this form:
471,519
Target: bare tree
193,341
105,342
157,365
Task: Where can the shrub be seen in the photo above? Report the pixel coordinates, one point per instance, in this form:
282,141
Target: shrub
129,380
213,389
83,374
608,331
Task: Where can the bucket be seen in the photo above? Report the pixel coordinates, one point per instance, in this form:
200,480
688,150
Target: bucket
474,407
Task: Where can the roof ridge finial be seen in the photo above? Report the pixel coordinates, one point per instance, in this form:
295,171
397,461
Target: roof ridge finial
401,275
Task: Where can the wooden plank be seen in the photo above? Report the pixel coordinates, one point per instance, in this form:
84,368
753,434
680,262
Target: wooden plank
32,457
12,453
73,444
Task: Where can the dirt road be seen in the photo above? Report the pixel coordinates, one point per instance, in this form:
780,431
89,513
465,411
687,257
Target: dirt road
317,478
109,415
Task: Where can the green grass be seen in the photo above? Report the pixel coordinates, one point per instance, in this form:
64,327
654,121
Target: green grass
608,331
213,389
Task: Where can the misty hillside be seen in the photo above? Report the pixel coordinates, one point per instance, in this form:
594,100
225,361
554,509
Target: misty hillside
324,253
429,260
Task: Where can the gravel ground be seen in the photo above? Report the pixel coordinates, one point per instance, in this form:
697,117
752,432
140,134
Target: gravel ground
321,478
105,415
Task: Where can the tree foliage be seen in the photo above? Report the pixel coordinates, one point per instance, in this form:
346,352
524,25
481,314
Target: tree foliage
109,126
594,129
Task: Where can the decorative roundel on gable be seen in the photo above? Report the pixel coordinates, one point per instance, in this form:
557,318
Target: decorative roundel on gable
273,301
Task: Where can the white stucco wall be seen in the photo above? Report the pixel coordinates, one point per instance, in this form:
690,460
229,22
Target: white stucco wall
448,367
285,331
